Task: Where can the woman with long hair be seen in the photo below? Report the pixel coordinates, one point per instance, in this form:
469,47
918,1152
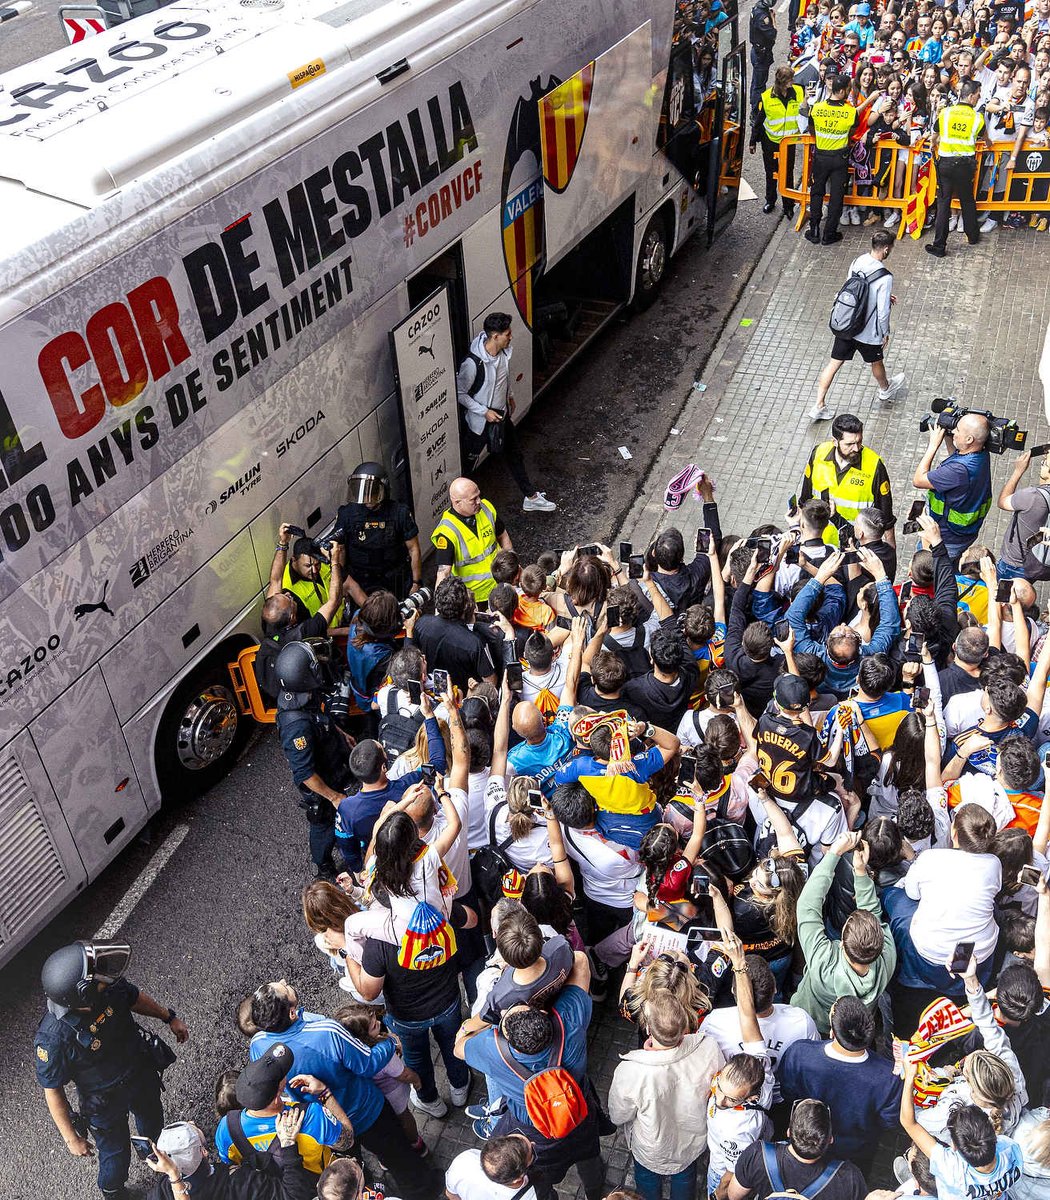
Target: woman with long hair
586,585
326,910
668,870
372,640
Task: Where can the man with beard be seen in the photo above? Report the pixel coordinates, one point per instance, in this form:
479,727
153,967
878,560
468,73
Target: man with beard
849,476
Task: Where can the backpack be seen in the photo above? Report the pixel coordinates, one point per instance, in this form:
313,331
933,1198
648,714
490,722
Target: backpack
635,657
766,845
553,1099
849,311
479,374
726,844
811,1191
490,866
1041,550
397,733
429,941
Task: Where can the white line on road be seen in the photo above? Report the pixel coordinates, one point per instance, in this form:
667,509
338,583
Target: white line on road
145,881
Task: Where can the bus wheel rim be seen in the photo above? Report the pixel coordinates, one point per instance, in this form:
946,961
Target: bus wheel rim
207,729
654,259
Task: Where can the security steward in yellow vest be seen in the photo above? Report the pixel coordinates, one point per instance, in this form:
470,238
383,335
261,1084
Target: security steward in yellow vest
306,577
831,122
955,136
848,475
778,110
468,537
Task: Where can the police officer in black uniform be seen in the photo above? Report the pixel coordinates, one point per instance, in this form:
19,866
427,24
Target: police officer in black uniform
317,750
89,1037
380,536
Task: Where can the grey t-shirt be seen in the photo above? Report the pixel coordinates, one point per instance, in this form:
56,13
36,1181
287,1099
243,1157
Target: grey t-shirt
1031,511
542,992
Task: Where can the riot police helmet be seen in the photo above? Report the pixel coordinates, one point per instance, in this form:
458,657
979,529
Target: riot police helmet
71,976
304,665
367,485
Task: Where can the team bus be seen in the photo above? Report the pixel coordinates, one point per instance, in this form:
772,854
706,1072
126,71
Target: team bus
243,246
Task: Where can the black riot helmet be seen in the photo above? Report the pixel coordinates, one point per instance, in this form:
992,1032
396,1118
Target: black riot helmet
305,665
368,484
71,976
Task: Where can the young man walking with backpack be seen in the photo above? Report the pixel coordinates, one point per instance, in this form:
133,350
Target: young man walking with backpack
860,321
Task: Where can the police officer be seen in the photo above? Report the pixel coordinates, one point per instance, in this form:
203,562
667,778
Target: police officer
960,489
831,121
956,133
379,535
778,111
283,616
762,34
468,537
849,476
89,1037
317,750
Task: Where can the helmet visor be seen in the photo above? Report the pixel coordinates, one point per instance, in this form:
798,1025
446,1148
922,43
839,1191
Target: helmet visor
365,489
106,961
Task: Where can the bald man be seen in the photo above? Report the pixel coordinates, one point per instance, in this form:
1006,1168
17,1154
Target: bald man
960,489
468,537
1031,512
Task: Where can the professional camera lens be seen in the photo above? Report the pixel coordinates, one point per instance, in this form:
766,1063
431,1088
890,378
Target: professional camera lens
416,602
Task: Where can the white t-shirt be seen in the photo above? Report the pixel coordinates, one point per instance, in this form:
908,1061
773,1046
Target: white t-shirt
784,1026
477,827
610,872
527,851
533,682
956,892
687,733
457,857
465,1179
963,711
731,1130
821,823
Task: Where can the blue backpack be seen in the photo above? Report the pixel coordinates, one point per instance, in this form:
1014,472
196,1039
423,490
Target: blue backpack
811,1191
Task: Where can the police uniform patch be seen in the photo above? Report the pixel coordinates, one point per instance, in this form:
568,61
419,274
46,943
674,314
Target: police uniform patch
885,489
41,1053
96,1044
441,543
299,743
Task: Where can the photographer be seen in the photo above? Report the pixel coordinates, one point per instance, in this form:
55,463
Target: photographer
447,640
316,748
960,489
1031,513
374,631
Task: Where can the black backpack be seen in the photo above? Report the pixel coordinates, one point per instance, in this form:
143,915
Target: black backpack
849,310
479,374
253,1158
764,846
726,844
397,733
635,657
490,863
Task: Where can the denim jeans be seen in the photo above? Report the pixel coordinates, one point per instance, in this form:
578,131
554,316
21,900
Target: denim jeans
1003,570
914,971
650,1185
415,1040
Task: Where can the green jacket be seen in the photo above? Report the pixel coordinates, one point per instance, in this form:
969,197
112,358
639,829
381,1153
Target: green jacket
828,974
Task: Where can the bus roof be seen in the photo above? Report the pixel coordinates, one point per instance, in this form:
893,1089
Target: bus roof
150,108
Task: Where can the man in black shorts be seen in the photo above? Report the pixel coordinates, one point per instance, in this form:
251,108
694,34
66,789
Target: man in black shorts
870,341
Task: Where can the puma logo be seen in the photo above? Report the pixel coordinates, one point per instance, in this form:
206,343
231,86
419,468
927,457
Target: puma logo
82,610
427,349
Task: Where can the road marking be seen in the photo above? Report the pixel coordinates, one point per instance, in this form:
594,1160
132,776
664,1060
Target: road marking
145,881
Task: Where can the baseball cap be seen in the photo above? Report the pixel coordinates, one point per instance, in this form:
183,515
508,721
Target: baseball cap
258,1083
791,693
863,10
183,1143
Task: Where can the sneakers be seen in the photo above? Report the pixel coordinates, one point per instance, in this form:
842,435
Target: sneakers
485,1117
459,1095
829,239
811,235
892,221
817,413
953,222
854,216
936,251
434,1108
844,218
538,503
893,391
767,208
987,225
1042,224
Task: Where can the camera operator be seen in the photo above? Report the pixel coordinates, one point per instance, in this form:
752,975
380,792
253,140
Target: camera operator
1031,512
448,642
960,489
284,619
317,750
379,534
304,575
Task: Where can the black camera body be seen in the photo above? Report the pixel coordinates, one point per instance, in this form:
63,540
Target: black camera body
1003,435
416,602
319,549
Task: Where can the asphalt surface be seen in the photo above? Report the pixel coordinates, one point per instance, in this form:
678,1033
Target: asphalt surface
31,35
223,914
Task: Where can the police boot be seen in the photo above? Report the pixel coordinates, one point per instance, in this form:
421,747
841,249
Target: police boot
120,1193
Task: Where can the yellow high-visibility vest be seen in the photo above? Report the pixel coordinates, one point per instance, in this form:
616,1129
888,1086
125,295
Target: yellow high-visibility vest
312,594
848,495
832,124
780,117
474,552
958,128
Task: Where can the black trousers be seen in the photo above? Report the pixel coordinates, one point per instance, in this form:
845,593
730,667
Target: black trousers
416,1179
830,174
761,65
769,157
955,179
474,444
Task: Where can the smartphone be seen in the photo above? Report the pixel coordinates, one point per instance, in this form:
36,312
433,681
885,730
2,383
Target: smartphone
612,616
793,506
913,648
563,622
593,550
514,676
439,681
703,927
429,773
636,566
763,553
760,780
753,543
725,697
535,800
626,550
686,770
484,618
702,544
920,697
143,1147
1029,875
961,957
1004,591
781,630
415,691
1040,450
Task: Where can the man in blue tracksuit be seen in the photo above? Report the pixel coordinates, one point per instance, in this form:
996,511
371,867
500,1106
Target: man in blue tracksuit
842,651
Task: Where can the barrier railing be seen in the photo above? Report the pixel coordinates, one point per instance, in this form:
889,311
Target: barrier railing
904,178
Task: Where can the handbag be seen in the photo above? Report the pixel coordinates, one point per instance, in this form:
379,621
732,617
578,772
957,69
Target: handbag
496,435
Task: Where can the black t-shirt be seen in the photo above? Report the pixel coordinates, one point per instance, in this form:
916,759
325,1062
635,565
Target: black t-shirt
687,585
266,658
415,995
451,646
751,924
788,753
847,1184
664,704
589,696
955,682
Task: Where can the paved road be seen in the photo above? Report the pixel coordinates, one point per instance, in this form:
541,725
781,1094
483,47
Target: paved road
31,35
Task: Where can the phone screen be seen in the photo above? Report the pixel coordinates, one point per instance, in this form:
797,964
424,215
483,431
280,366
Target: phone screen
535,799
762,553
415,691
920,697
439,681
1029,875
1004,591
142,1147
686,769
703,927
626,550
593,550
1040,450
429,772
563,622
781,630
636,566
514,675
612,616
961,957
918,507
703,541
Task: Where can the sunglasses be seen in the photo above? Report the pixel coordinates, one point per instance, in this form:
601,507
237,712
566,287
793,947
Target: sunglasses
770,868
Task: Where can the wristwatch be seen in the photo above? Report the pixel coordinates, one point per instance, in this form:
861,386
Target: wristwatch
650,731
172,1014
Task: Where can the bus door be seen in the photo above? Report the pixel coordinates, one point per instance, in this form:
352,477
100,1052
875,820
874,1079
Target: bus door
727,149
687,119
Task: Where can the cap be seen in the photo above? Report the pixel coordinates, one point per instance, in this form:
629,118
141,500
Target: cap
863,10
183,1143
258,1083
791,693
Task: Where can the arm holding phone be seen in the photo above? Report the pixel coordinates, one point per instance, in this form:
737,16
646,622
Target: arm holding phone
460,774
572,674
1022,634
995,616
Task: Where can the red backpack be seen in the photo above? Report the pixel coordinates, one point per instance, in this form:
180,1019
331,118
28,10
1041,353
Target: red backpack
553,1099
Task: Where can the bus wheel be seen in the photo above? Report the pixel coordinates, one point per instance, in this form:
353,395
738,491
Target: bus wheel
652,262
201,734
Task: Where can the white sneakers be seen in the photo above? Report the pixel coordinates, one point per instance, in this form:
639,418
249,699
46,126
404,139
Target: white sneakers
893,391
854,216
538,503
892,221
817,413
987,225
434,1108
458,1096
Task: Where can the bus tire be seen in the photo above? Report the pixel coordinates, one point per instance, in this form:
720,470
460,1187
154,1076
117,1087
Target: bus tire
200,735
653,254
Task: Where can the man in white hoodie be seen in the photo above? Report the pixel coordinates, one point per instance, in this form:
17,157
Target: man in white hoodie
483,391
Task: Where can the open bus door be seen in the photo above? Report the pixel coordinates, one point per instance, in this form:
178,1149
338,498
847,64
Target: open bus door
727,148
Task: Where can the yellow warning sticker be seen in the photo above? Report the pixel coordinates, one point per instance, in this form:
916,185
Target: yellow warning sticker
305,73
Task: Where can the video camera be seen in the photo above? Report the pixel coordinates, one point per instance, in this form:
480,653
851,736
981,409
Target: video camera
319,549
1003,434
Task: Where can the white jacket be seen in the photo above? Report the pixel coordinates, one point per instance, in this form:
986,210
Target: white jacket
660,1097
486,397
